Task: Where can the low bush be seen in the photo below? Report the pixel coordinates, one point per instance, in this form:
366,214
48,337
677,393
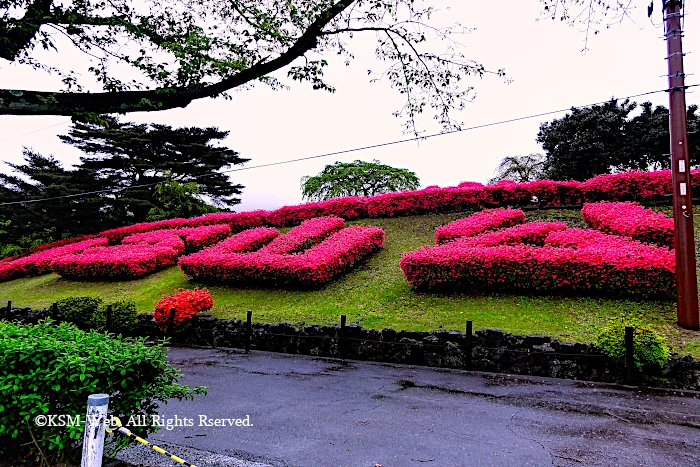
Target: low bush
313,267
630,220
187,304
139,254
124,317
300,238
650,348
80,311
478,223
571,260
51,370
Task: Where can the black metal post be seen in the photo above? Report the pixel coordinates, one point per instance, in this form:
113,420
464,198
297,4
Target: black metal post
629,353
8,309
468,350
341,337
108,318
248,329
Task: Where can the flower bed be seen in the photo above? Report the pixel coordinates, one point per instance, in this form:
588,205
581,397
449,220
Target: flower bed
304,236
630,220
40,263
315,266
630,186
138,255
545,257
478,223
531,233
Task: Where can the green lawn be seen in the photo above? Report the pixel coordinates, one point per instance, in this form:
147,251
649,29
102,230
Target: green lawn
376,295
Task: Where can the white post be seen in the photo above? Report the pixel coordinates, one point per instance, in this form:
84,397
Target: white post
94,440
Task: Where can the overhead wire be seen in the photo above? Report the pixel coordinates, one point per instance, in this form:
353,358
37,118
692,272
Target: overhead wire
34,131
345,151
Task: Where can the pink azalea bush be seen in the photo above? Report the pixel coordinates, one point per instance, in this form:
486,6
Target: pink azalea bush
480,222
302,237
272,264
40,263
629,186
138,255
545,257
629,219
531,233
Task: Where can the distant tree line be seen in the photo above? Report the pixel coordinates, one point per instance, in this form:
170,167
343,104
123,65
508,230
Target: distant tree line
136,173
602,139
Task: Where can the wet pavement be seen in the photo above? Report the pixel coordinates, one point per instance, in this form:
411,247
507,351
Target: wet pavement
308,411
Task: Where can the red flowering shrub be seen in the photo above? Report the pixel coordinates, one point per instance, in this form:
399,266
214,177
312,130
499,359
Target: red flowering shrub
629,219
571,260
480,222
187,305
138,255
325,257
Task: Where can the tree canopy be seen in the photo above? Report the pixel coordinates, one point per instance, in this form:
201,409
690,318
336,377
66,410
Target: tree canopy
161,54
127,154
131,173
605,138
520,168
357,178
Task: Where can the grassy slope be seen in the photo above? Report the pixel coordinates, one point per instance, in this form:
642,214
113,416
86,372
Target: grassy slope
376,295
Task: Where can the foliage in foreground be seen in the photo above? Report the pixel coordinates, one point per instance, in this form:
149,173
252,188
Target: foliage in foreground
51,370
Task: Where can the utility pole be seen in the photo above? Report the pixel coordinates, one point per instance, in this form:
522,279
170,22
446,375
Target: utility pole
686,278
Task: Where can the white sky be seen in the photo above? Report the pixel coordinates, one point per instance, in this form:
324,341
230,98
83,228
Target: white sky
543,58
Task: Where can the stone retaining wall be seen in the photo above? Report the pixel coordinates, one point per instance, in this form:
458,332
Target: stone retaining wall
490,349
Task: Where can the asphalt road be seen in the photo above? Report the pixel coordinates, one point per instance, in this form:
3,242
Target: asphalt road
308,412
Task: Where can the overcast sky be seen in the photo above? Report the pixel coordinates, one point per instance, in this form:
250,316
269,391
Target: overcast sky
543,58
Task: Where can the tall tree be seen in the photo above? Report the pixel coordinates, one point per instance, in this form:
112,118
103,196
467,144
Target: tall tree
588,142
357,178
125,155
520,168
607,138
183,50
648,136
44,177
174,199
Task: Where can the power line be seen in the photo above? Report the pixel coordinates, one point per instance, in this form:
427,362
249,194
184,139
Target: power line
346,151
32,132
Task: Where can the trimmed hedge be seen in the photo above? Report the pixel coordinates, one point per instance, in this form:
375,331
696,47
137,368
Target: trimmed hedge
630,220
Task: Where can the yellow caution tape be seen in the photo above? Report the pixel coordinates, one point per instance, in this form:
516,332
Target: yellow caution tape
128,433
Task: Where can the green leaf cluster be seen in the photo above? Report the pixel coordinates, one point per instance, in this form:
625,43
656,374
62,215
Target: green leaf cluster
50,370
91,313
650,348
357,178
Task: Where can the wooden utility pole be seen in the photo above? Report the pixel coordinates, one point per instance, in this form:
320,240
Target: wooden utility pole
686,277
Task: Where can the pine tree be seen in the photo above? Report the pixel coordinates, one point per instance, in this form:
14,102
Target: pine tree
121,155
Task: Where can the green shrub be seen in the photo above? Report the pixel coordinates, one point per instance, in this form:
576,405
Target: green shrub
650,349
51,370
80,311
91,313
124,317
